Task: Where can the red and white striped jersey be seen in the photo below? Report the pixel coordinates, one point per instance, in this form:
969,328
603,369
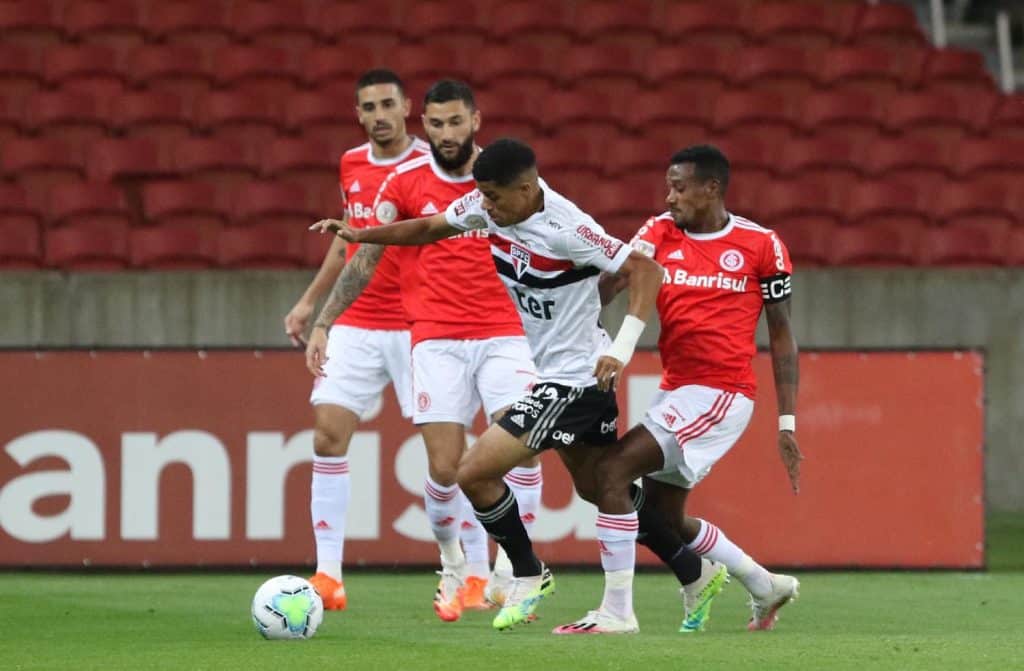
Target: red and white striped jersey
550,265
360,175
711,298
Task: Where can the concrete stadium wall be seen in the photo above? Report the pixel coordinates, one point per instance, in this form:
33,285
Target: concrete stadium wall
849,308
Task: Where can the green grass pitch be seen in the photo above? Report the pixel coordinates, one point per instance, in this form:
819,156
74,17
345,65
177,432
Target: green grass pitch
866,620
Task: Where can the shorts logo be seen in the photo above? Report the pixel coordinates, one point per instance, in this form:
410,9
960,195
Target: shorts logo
527,518
563,437
423,401
445,522
731,260
520,259
610,246
466,524
669,419
519,420
610,427
386,212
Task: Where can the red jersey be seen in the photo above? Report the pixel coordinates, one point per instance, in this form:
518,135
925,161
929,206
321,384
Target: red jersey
450,288
710,300
379,307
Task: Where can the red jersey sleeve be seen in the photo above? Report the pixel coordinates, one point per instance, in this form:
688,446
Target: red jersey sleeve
647,238
775,270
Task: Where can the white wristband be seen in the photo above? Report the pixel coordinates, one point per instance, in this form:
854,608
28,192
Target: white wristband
626,339
787,423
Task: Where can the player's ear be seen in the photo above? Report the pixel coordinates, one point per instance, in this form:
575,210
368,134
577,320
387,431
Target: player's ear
406,106
476,120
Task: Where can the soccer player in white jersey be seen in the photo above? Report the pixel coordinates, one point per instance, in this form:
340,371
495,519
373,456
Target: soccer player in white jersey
721,272
549,254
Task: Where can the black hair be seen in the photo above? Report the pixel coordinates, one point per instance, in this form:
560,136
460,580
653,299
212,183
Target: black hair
708,163
503,161
379,76
447,90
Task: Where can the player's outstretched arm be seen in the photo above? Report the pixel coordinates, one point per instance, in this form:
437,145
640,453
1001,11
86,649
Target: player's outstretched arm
409,233
609,286
298,317
643,280
786,366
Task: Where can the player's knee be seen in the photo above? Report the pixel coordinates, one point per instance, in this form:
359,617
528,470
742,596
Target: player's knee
328,442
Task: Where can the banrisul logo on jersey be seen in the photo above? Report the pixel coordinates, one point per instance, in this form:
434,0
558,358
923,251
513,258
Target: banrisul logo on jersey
720,281
520,259
610,246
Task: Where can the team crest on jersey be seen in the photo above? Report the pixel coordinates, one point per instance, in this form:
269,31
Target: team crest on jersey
731,260
520,259
385,212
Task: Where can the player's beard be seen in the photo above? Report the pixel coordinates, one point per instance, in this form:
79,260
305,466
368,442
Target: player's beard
465,151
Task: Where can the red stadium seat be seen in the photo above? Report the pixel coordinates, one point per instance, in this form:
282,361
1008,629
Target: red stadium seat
425,20
420,65
886,203
879,244
921,162
20,74
888,24
627,155
978,204
809,241
302,160
175,68
127,159
183,203
1015,244
749,157
222,162
789,71
1008,118
244,117
157,115
88,247
38,163
350,24
198,23
809,25
605,69
630,22
90,204
284,24
517,67
854,115
533,23
581,113
573,157
317,116
73,117
30,23
995,159
634,197
808,201
324,66
705,67
743,196
874,70
113,24
763,114
957,71
85,67
967,244
259,70
174,247
21,245
506,113
11,122
283,204
932,115
705,23
672,117
825,157
262,247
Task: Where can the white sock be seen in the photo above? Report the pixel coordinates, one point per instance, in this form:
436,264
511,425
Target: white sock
526,484
443,509
328,504
616,535
713,544
474,541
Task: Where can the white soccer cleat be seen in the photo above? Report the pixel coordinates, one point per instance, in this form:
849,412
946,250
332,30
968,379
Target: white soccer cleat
765,611
497,589
599,622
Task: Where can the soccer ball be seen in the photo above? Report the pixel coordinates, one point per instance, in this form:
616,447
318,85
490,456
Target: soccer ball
287,607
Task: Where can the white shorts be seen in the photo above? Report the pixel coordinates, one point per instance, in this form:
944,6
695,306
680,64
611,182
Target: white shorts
360,363
695,426
451,378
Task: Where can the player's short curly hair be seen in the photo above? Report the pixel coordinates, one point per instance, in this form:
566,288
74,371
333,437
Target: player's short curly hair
708,163
503,161
447,90
379,76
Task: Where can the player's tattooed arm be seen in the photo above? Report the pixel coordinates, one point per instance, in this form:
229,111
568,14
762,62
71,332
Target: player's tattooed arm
353,279
786,366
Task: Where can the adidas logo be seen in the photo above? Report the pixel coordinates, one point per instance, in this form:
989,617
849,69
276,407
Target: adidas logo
355,188
429,208
677,255
518,420
322,524
445,522
669,419
466,524
527,518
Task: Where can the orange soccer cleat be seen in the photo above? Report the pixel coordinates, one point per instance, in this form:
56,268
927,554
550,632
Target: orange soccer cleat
472,594
331,591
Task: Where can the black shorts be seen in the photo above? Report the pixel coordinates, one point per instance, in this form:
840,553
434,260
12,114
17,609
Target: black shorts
556,415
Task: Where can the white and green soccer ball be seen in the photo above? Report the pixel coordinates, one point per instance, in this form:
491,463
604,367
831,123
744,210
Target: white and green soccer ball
287,607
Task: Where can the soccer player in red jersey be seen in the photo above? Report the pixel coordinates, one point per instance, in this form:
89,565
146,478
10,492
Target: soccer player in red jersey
369,344
469,348
721,271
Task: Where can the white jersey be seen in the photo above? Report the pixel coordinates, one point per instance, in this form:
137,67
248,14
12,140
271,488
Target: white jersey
550,264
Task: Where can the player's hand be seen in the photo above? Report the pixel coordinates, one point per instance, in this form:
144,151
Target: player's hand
791,458
338,227
316,351
295,322
608,372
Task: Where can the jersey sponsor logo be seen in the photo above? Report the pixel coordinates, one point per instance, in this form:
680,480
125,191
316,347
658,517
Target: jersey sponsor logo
386,212
610,246
520,259
529,406
429,208
355,188
519,420
731,260
720,281
780,262
563,437
423,401
676,255
645,247
360,211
